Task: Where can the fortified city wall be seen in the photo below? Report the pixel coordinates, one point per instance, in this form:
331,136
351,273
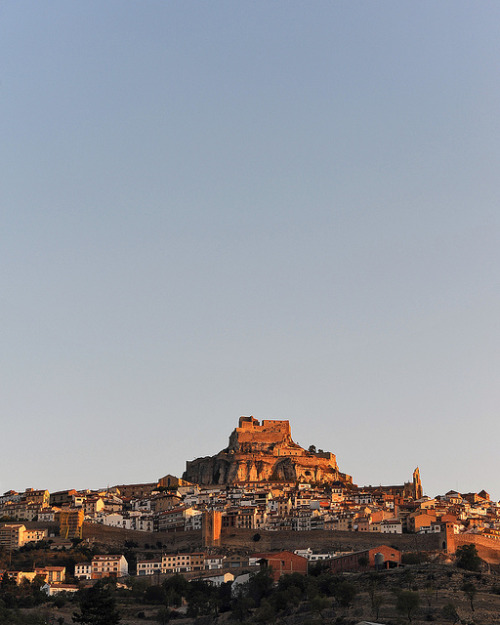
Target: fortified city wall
488,547
322,541
237,540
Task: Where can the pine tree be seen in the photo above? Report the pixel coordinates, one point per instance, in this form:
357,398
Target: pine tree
97,607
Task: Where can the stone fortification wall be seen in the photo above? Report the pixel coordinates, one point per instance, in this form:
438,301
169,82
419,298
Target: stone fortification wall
269,424
321,541
116,536
253,425
312,461
488,549
324,541
250,433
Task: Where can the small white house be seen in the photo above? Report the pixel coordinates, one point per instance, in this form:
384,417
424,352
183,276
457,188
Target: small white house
83,570
218,580
213,562
55,589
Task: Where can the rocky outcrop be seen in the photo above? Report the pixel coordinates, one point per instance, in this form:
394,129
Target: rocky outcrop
264,453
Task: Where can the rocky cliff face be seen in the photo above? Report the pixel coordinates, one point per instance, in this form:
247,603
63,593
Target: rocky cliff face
264,453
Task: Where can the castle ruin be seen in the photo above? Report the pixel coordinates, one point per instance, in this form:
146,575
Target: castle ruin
264,452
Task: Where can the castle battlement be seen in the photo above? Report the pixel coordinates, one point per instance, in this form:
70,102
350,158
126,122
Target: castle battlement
261,436
249,424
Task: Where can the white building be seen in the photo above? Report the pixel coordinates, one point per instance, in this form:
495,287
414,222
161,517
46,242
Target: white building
83,570
213,562
148,567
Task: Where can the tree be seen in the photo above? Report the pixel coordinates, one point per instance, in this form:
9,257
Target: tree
311,589
173,598
312,449
327,584
319,605
260,586
7,581
224,597
97,606
163,616
286,600
363,561
178,583
175,587
408,578
470,590
155,594
293,580
407,603
198,604
429,594
345,593
242,607
467,558
318,568
377,603
203,598
266,613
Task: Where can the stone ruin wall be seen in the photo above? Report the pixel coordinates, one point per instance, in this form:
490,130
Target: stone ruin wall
250,431
287,451
252,424
312,461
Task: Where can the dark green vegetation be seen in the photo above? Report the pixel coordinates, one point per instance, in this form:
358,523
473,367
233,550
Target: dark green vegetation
414,594
467,558
97,606
419,592
22,604
259,600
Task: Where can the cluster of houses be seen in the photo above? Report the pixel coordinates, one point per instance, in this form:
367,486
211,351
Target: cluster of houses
201,566
201,561
52,579
173,505
176,506
15,535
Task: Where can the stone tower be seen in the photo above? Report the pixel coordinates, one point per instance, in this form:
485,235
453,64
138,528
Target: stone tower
417,485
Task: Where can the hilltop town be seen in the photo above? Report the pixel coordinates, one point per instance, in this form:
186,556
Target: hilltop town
262,499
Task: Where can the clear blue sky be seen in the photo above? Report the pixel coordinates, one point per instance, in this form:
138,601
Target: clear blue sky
281,209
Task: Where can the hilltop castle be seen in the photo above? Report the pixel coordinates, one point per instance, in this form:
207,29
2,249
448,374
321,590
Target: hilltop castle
264,453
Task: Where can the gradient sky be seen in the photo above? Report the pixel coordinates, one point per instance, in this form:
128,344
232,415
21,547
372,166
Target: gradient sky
281,209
